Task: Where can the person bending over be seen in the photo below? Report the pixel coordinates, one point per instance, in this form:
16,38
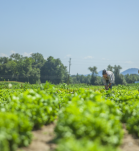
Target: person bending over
108,79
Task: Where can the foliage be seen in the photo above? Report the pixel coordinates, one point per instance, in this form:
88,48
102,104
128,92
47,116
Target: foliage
15,130
119,78
76,79
39,107
32,69
89,116
95,80
21,112
126,99
110,68
53,71
73,144
131,78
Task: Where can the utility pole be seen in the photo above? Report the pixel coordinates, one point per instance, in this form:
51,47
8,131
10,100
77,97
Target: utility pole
69,70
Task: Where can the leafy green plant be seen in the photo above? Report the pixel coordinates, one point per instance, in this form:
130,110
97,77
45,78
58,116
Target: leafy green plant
9,131
89,116
39,107
73,144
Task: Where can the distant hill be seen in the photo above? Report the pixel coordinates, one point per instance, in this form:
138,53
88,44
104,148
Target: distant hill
130,71
100,73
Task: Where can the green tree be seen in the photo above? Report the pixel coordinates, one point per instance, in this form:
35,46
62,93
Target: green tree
93,70
12,69
119,78
38,60
131,78
110,68
93,77
54,71
5,73
98,81
16,56
77,77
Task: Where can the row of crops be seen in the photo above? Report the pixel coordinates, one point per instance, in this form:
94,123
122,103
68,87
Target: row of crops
87,118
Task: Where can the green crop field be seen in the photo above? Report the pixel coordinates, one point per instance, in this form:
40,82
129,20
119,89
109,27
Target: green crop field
88,118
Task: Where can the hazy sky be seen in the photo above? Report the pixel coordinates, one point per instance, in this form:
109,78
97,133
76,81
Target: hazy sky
91,32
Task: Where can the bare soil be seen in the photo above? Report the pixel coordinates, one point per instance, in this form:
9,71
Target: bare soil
42,139
130,143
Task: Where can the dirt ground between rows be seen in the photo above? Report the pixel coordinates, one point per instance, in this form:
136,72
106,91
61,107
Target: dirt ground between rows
130,143
42,140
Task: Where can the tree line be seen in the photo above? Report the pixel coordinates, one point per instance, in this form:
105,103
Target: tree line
33,69
94,79
36,69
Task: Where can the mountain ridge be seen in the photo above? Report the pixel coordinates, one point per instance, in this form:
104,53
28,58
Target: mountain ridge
127,71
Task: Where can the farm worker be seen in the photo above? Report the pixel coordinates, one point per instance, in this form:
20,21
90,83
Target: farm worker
108,79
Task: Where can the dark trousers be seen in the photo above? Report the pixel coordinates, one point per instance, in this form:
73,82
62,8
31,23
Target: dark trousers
107,83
